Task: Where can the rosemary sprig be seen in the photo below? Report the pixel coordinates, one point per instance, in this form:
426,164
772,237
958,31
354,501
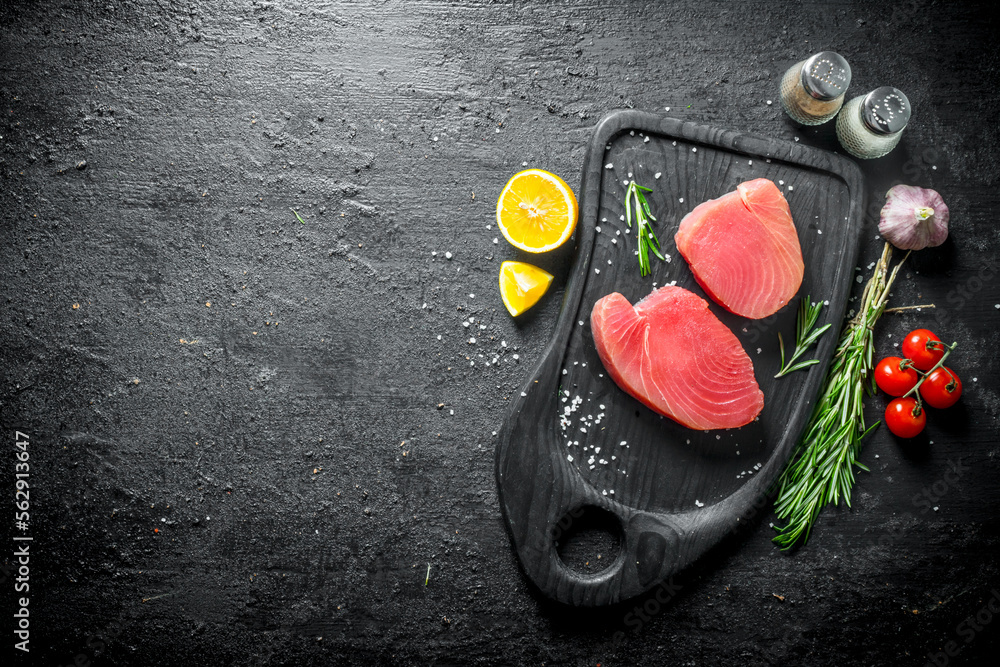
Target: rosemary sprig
647,239
805,337
821,469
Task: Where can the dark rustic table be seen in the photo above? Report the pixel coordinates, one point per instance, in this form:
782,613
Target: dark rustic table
238,452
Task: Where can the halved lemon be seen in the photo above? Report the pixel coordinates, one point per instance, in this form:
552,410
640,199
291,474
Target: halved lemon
536,211
522,285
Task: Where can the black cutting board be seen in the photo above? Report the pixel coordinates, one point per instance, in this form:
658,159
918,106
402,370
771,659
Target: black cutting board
670,493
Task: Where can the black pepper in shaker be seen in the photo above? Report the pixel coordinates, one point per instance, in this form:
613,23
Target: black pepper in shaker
812,90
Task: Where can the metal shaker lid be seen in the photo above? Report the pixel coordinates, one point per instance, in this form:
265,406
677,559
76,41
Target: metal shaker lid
826,75
885,110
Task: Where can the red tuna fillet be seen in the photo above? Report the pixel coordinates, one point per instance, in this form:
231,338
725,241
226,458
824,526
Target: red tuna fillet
676,357
743,249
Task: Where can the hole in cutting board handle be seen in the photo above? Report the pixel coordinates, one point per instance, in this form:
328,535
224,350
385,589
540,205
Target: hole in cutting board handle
588,539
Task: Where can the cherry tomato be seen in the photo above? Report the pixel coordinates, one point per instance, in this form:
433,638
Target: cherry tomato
942,388
904,417
895,376
923,348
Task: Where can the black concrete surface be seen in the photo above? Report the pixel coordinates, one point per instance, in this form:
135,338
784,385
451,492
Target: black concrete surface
238,452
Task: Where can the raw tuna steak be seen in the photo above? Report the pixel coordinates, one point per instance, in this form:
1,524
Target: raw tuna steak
674,355
743,249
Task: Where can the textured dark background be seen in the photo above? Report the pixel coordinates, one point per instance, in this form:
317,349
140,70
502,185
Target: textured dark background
285,440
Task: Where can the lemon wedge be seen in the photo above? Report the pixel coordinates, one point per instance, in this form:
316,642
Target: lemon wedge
522,285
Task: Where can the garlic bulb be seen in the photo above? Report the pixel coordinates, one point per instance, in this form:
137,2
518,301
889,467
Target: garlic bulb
913,218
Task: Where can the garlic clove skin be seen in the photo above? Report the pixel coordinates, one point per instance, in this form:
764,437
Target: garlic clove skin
913,218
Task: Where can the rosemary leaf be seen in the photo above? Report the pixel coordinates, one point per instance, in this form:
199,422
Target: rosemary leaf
805,336
644,232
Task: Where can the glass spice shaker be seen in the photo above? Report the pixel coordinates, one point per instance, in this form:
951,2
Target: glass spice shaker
871,125
812,91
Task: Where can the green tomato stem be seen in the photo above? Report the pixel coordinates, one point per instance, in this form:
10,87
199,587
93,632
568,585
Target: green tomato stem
924,375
